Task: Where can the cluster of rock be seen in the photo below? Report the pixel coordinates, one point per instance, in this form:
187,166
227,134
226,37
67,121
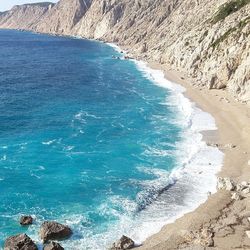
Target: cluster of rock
239,190
49,231
181,34
222,146
203,237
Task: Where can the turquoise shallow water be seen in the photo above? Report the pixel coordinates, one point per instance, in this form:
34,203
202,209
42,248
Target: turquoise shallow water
84,139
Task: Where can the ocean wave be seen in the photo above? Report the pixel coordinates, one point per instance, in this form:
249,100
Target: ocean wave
48,142
3,158
196,167
151,151
83,114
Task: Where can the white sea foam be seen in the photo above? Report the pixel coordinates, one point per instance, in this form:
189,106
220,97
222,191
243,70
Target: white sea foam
48,142
115,47
41,168
4,158
195,174
157,152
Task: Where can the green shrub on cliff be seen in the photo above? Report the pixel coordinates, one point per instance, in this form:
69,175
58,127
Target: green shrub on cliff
238,28
229,8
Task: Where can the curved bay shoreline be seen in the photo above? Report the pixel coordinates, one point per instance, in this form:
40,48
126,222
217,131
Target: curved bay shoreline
225,220
221,216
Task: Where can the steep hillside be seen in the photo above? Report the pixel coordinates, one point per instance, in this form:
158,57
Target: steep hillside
63,17
207,39
24,16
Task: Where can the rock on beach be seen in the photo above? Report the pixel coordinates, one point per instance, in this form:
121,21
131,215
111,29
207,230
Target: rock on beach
123,243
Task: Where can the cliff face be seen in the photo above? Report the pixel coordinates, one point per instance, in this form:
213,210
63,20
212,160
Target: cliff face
63,17
24,16
209,39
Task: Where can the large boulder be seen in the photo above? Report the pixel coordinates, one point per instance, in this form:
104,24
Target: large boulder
51,230
124,243
26,220
20,242
53,246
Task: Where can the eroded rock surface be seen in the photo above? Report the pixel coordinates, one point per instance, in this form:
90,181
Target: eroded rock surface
123,243
26,220
53,246
51,230
19,242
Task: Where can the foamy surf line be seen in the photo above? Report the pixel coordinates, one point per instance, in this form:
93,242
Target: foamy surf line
188,184
198,163
195,166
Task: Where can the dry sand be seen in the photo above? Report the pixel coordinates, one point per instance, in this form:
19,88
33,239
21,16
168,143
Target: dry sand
219,223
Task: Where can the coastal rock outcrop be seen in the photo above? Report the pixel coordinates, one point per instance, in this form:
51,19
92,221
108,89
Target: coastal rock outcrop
202,238
226,184
53,246
239,190
20,242
26,220
51,230
123,243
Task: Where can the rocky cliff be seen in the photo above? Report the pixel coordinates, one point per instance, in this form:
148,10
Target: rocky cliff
209,40
24,16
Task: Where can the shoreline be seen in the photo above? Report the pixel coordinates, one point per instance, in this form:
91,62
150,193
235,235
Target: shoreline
209,135
231,119
192,171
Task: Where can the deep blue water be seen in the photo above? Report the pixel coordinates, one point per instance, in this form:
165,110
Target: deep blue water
84,139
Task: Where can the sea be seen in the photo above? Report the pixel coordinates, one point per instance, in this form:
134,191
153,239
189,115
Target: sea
104,145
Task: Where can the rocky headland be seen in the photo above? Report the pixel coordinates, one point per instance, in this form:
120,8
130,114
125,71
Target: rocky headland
203,45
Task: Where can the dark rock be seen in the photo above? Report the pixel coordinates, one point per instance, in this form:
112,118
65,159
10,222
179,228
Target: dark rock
51,230
124,243
26,220
53,246
21,241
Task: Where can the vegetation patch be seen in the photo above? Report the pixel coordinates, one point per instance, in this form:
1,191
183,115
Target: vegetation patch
237,28
223,37
229,8
244,22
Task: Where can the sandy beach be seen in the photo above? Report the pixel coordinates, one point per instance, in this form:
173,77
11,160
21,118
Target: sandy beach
219,223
